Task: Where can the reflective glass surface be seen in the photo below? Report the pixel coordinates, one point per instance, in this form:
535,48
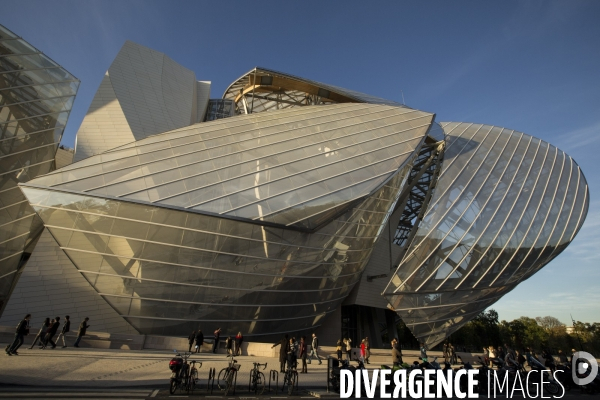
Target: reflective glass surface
504,205
36,96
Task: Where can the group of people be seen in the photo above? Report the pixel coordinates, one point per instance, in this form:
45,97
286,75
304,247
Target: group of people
449,353
291,349
518,358
345,346
46,333
233,345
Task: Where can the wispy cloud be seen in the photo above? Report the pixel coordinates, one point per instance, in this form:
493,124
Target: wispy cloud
581,137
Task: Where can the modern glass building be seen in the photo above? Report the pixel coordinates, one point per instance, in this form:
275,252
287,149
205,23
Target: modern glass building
36,96
289,204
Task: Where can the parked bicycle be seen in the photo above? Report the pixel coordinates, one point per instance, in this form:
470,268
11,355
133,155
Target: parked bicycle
193,377
227,376
290,378
180,372
257,379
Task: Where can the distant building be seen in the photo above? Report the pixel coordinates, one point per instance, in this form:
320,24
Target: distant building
289,205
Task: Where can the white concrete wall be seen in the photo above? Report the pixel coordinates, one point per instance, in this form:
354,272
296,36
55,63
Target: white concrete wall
143,93
51,286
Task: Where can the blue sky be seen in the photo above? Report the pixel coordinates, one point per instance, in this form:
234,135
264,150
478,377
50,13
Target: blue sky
533,66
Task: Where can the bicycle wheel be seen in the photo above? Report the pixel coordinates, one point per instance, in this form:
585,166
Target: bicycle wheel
222,379
193,381
230,384
291,383
260,384
185,380
173,386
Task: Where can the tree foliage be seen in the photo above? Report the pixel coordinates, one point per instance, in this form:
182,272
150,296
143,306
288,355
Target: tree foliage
542,332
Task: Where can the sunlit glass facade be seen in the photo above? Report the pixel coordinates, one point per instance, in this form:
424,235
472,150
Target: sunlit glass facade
293,196
36,96
504,205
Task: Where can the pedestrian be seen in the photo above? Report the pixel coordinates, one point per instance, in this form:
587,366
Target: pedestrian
239,339
314,351
338,349
20,333
363,350
217,334
292,354
396,353
348,344
199,340
41,333
51,332
229,345
283,350
500,353
191,339
451,350
63,332
492,355
445,352
486,355
303,353
367,350
81,331
423,355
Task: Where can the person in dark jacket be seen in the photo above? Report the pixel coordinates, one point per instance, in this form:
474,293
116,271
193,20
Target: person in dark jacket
199,340
191,339
82,330
303,354
41,333
51,332
283,350
66,328
21,331
217,334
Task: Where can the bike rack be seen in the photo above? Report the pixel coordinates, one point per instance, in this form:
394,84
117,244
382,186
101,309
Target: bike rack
296,380
274,375
210,383
235,372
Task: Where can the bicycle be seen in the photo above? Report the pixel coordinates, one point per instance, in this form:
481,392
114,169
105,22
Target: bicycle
290,378
257,379
193,376
181,372
226,377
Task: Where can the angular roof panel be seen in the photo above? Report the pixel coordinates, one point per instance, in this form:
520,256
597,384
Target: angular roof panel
297,167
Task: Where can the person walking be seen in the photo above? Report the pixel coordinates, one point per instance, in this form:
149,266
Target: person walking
217,334
239,339
363,350
191,339
314,351
445,352
81,331
41,333
199,340
338,349
21,331
51,332
452,351
229,345
283,350
65,329
423,354
348,344
396,354
303,354
367,350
